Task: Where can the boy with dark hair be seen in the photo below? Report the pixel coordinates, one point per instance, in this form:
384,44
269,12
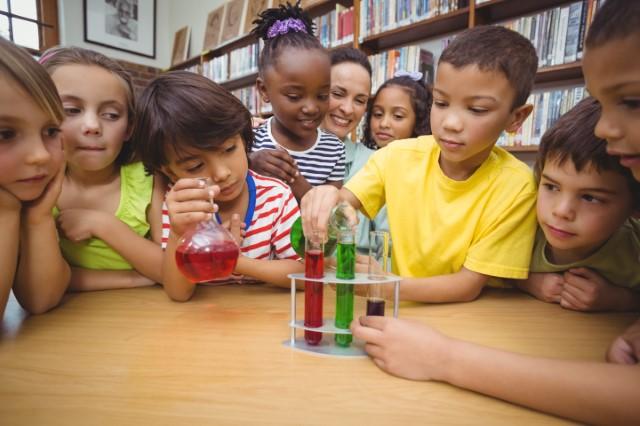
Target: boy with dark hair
586,252
460,209
188,128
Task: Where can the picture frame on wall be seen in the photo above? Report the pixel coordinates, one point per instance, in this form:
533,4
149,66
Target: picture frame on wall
126,25
180,50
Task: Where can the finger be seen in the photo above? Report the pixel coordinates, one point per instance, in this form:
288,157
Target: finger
189,183
374,351
368,334
189,218
621,352
569,301
190,206
280,169
376,322
577,286
582,272
380,363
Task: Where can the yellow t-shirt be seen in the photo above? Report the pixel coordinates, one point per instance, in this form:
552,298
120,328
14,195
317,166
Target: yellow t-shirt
438,225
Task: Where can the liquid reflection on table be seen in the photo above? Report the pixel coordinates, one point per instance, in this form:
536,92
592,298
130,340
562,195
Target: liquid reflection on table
133,356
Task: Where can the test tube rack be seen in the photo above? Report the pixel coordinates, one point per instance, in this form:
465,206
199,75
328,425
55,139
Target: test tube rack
327,347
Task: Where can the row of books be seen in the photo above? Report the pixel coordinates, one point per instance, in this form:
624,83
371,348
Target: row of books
336,27
377,16
548,106
235,64
250,97
557,34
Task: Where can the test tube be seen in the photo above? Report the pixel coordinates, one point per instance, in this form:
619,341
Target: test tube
378,268
313,290
346,258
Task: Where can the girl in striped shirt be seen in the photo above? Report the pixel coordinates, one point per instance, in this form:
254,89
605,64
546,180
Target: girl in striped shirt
189,127
295,78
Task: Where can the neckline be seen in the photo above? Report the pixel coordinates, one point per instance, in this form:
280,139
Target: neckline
251,186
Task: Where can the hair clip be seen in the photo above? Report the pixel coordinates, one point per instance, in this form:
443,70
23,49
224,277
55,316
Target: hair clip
284,26
46,57
413,75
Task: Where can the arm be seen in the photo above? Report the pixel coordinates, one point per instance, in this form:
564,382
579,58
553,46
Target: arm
42,275
586,290
273,271
461,286
584,391
9,229
546,286
92,280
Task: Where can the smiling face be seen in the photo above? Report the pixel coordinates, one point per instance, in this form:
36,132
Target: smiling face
579,211
612,76
470,109
96,123
297,86
392,116
225,164
350,88
30,143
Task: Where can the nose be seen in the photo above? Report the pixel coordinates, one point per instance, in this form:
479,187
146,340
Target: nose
384,121
310,108
607,128
564,209
452,122
219,172
37,153
91,124
346,107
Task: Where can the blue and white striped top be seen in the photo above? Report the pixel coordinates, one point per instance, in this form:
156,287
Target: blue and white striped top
321,163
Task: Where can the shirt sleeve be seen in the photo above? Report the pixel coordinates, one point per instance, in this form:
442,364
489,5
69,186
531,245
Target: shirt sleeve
281,235
368,184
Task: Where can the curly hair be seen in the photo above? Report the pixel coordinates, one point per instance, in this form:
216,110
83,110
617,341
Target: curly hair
421,100
274,46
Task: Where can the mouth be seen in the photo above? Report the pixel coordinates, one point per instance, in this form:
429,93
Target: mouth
310,123
628,160
34,179
449,144
559,233
90,148
383,136
228,190
339,121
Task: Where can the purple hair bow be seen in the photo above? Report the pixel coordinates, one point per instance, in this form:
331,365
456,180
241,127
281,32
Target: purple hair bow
413,75
284,26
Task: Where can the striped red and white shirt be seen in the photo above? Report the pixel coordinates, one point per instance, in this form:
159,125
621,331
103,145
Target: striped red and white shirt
271,212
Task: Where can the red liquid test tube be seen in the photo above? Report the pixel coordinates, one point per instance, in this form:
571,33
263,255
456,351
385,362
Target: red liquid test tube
313,291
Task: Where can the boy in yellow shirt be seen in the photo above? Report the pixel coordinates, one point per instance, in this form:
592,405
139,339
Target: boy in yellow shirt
460,209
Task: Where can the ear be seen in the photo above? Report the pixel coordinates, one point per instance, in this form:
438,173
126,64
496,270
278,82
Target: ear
262,89
518,116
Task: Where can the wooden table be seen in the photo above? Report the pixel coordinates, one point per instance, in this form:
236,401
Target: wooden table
134,357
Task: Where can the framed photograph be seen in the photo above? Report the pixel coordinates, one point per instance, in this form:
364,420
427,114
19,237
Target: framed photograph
213,29
254,7
180,50
127,25
233,20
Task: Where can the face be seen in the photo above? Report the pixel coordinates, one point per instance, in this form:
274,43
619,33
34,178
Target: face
350,88
96,124
470,109
226,165
579,211
297,86
612,76
124,12
30,144
392,116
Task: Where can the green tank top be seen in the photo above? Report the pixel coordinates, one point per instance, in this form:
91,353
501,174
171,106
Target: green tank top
136,189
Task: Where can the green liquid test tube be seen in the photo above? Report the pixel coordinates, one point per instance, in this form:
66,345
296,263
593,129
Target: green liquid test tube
346,256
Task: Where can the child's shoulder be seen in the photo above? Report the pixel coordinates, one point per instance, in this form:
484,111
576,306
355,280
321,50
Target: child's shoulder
509,166
326,138
266,185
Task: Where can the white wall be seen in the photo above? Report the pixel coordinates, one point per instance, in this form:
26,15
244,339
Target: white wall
71,21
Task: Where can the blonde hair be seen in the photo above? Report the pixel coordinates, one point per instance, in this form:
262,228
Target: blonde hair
18,65
56,57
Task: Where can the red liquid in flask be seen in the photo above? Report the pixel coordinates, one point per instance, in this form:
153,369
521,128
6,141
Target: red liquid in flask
313,291
201,264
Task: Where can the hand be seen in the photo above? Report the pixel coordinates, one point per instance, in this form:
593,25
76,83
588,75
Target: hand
315,209
546,286
236,227
274,162
586,290
189,202
42,207
403,348
9,202
81,224
257,121
626,348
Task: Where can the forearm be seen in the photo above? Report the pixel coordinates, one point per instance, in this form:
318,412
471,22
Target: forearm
9,229
585,391
300,187
462,286
93,280
176,285
144,255
42,275
270,271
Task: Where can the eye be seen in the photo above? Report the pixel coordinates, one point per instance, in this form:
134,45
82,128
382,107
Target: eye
631,103
376,114
361,101
51,132
111,116
591,199
72,110
398,117
7,134
477,110
231,148
293,97
439,104
323,96
194,168
550,187
337,94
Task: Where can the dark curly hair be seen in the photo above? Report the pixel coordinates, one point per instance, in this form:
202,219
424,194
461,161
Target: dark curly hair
421,100
274,46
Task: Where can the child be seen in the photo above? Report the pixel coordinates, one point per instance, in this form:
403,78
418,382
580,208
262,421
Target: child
584,391
108,205
289,146
460,209
190,127
31,160
586,252
400,109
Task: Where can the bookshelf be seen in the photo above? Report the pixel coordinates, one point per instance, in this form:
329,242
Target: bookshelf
446,17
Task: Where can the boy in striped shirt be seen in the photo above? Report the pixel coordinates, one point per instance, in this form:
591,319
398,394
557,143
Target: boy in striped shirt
188,128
